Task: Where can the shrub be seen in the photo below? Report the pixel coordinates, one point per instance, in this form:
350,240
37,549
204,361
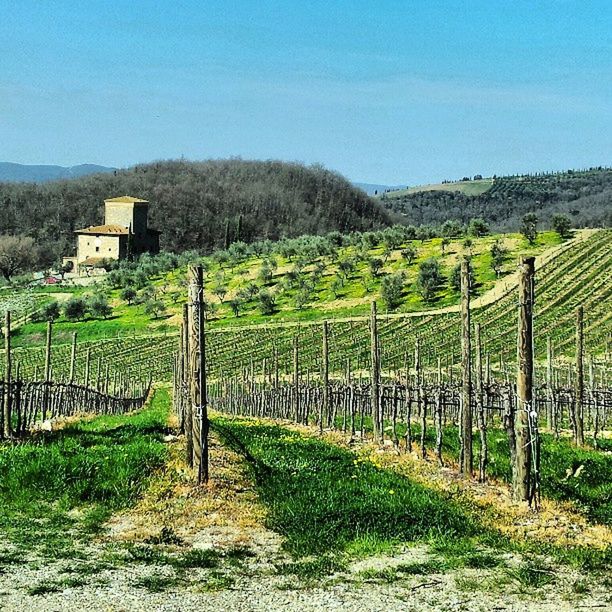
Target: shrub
50,311
562,225
391,290
155,308
429,279
75,309
266,302
98,306
128,294
529,227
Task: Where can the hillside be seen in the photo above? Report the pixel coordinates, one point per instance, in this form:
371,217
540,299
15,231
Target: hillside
585,196
10,172
567,274
195,204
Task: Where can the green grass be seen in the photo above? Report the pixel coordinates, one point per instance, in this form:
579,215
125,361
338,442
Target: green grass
331,507
325,502
351,300
58,488
590,490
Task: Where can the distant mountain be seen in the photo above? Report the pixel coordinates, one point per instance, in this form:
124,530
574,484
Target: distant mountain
24,173
374,189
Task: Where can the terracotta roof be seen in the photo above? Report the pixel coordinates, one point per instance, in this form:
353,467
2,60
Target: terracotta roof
126,200
103,229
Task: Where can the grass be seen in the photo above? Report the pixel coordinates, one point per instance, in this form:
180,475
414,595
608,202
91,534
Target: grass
469,188
326,503
60,487
588,488
332,505
352,299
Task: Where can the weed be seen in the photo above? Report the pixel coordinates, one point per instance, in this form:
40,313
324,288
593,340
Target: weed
155,583
532,574
44,587
215,581
204,558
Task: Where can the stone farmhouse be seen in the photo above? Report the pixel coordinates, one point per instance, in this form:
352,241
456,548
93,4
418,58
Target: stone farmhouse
125,233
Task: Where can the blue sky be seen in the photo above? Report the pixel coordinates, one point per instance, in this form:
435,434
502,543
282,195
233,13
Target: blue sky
380,90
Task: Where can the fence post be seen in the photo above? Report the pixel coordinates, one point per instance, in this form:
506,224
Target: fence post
47,369
325,406
482,425
466,370
8,399
579,380
198,368
549,384
73,357
521,485
375,375
296,379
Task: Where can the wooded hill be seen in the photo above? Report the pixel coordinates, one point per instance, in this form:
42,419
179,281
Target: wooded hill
196,205
584,196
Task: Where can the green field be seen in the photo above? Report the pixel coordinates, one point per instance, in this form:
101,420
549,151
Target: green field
140,344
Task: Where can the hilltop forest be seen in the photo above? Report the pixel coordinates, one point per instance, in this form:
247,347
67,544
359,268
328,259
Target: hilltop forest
196,205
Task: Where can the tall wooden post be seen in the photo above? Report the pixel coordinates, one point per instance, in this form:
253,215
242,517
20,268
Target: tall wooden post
521,485
482,424
296,379
325,406
579,380
466,371
8,398
197,360
375,375
73,357
185,390
47,368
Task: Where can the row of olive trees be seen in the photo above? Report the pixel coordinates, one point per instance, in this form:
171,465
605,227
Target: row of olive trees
77,308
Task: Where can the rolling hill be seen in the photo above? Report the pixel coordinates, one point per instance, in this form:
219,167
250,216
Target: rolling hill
585,196
195,204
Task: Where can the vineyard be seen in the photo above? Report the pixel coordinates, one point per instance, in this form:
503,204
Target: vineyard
577,275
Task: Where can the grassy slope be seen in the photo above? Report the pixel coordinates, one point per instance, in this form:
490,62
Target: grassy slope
352,299
331,504
59,487
466,187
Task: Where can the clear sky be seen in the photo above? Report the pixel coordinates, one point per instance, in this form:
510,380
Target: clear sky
383,91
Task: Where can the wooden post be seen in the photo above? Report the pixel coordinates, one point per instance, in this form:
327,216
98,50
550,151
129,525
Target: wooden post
325,405
466,466
482,426
296,379
47,368
87,367
521,485
8,398
579,380
197,361
73,357
375,376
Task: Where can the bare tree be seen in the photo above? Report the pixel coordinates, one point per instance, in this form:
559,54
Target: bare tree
16,254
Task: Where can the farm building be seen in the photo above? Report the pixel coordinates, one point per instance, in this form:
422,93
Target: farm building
125,233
